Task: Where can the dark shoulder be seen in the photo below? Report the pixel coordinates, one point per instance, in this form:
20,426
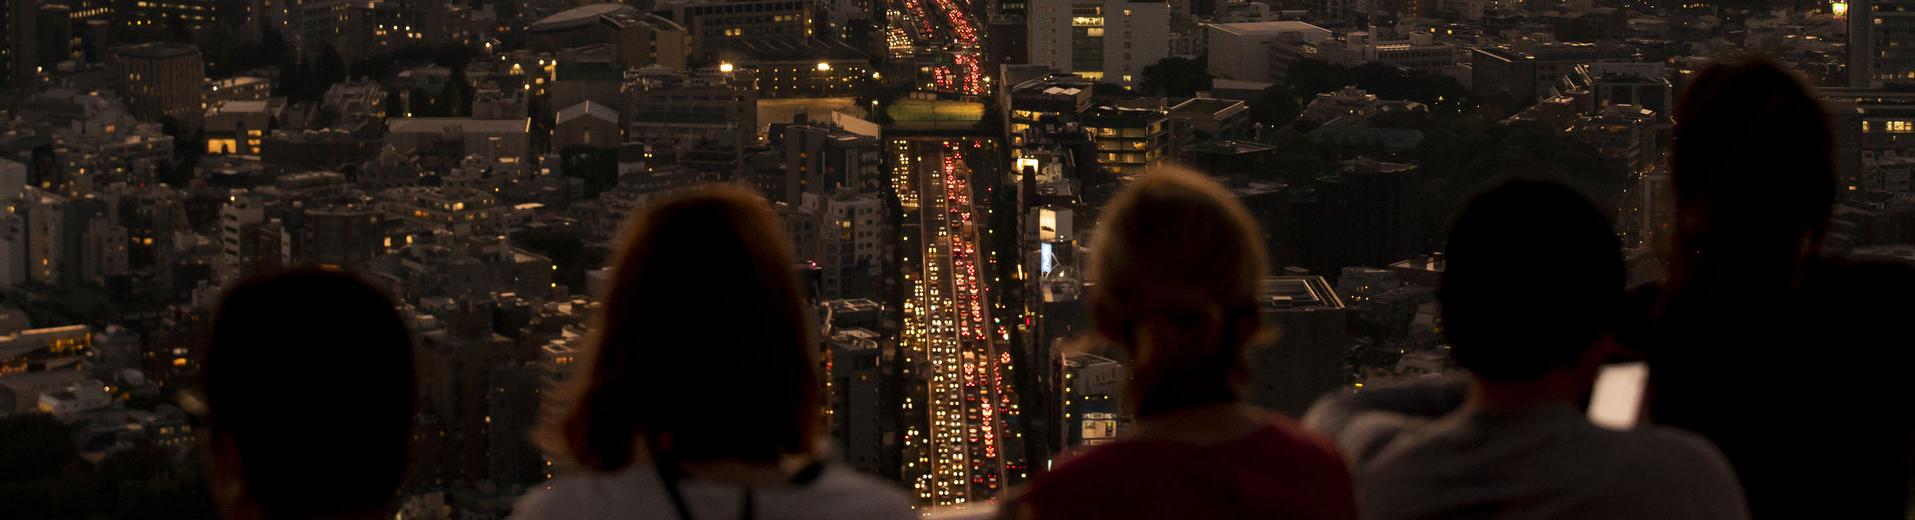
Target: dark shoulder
1294,440
1867,274
1677,454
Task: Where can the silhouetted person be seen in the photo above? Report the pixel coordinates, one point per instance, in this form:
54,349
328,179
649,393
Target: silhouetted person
700,397
308,393
1791,361
1529,295
1178,263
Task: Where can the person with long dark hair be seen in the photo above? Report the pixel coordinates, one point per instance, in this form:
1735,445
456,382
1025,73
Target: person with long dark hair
1788,358
1177,265
307,398
700,396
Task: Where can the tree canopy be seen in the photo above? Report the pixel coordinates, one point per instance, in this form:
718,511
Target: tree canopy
1176,76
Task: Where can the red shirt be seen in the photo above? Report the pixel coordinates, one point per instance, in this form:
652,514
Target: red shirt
1278,472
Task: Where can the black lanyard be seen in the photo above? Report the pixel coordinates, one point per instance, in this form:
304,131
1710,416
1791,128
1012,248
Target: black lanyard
671,473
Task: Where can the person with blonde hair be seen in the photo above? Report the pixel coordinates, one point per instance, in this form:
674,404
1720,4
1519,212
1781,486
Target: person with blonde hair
700,397
1177,262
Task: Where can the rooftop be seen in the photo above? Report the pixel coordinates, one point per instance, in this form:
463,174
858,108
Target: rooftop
798,49
578,16
1298,293
157,51
419,125
1267,28
1229,147
587,108
225,107
1208,107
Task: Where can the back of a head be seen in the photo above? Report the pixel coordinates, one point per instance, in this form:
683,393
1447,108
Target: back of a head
704,342
1752,169
309,382
1534,278
1177,265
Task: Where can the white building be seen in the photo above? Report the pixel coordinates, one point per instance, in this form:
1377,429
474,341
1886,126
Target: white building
86,395
851,240
1241,51
507,140
32,231
1109,41
13,177
239,212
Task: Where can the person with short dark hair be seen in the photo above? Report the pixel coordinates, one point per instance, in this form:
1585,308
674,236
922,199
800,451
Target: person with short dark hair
700,395
1785,356
308,398
1530,292
1178,263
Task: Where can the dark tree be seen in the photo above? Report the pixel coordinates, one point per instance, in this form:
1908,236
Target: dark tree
1176,76
35,447
328,68
1108,89
1275,107
37,453
395,103
376,67
567,248
1311,77
597,166
1389,82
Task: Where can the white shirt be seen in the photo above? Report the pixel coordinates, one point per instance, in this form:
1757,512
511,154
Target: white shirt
637,492
1546,463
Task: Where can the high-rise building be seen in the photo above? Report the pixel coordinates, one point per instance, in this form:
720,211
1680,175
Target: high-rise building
1641,84
87,27
457,371
673,110
1881,43
1376,208
727,25
1520,73
1104,40
1129,140
637,39
162,80
821,159
1239,51
1870,125
168,19
1093,388
851,239
18,18
1308,360
307,24
52,37
386,25
859,410
1624,134
242,212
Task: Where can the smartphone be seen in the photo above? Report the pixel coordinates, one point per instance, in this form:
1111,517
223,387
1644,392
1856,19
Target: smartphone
1616,400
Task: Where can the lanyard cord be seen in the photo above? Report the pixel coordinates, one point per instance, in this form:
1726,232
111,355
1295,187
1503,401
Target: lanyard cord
671,473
